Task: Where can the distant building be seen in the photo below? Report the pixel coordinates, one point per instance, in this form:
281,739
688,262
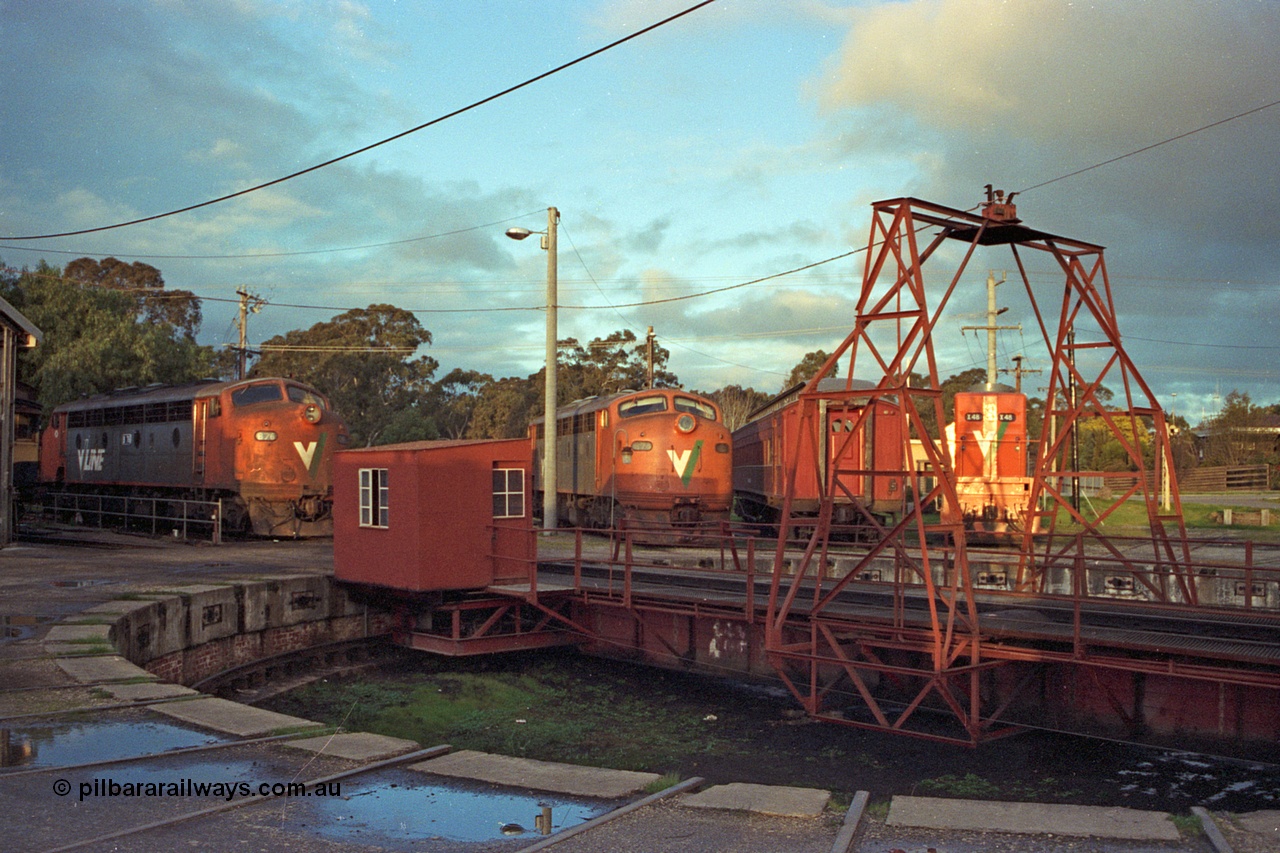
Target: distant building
16,332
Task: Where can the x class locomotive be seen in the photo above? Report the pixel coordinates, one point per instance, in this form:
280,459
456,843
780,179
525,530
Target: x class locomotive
263,446
659,459
989,448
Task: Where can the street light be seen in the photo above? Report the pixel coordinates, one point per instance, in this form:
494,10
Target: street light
549,520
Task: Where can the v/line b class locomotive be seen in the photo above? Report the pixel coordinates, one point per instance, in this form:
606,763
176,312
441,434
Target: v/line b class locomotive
263,446
659,459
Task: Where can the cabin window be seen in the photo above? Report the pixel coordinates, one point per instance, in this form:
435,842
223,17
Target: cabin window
695,407
508,493
254,394
642,406
306,396
373,497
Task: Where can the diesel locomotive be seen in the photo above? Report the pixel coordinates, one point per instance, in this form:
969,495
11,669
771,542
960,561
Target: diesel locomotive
660,459
988,441
263,446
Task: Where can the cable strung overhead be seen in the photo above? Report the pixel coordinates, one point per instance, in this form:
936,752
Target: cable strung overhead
544,75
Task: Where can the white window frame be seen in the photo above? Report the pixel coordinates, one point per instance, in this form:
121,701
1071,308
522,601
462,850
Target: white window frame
374,493
509,493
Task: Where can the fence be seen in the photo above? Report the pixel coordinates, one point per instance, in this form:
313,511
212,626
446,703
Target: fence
1225,478
186,519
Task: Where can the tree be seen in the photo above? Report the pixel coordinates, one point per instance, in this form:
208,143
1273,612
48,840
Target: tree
736,403
145,285
806,369
363,360
505,408
454,398
96,338
607,366
1238,434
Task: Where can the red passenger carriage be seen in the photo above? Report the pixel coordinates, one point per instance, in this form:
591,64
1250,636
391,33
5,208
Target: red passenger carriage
764,451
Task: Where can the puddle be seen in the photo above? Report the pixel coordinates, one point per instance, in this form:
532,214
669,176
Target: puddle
81,583
1218,783
21,627
63,744
405,807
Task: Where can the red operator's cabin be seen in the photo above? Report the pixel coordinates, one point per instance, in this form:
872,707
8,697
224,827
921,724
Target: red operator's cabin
434,516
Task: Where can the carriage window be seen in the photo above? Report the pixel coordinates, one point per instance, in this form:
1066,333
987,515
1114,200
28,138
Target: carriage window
255,394
373,497
695,407
641,406
508,493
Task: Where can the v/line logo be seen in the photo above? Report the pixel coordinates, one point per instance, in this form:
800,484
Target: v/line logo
686,462
91,459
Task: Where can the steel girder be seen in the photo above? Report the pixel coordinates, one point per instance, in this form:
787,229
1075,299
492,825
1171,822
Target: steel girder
892,338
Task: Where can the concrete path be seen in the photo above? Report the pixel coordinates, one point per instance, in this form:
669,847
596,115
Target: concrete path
1036,818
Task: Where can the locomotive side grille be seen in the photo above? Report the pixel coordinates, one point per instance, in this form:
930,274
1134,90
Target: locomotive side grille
151,413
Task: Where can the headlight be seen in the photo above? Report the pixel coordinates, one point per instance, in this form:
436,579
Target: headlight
312,413
686,423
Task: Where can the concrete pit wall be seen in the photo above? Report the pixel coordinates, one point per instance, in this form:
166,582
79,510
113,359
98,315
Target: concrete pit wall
189,634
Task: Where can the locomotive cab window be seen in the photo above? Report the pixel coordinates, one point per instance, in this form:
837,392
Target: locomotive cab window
373,497
306,396
642,406
256,394
695,407
508,493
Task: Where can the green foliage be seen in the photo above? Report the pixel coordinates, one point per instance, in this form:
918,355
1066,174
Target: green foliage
806,369
544,712
1234,436
454,398
606,366
98,334
363,360
504,408
736,403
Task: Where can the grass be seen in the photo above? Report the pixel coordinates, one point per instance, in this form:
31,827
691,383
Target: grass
542,711
662,783
973,787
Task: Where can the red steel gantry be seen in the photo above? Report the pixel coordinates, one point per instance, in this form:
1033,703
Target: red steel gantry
932,649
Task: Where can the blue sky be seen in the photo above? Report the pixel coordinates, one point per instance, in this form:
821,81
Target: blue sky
746,139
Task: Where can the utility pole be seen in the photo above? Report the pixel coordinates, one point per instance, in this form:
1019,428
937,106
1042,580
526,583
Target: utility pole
992,328
1017,372
649,344
248,303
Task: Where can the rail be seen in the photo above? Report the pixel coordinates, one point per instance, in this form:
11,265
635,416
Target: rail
1227,576
185,518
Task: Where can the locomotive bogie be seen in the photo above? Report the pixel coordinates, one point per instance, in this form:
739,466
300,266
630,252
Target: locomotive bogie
656,459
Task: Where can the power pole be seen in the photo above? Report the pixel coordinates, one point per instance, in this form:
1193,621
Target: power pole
248,303
649,344
1017,372
992,328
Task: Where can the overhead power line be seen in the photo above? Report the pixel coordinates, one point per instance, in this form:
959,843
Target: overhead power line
1146,148
537,78
251,255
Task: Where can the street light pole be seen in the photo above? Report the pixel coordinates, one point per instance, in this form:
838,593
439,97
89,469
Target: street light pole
549,519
